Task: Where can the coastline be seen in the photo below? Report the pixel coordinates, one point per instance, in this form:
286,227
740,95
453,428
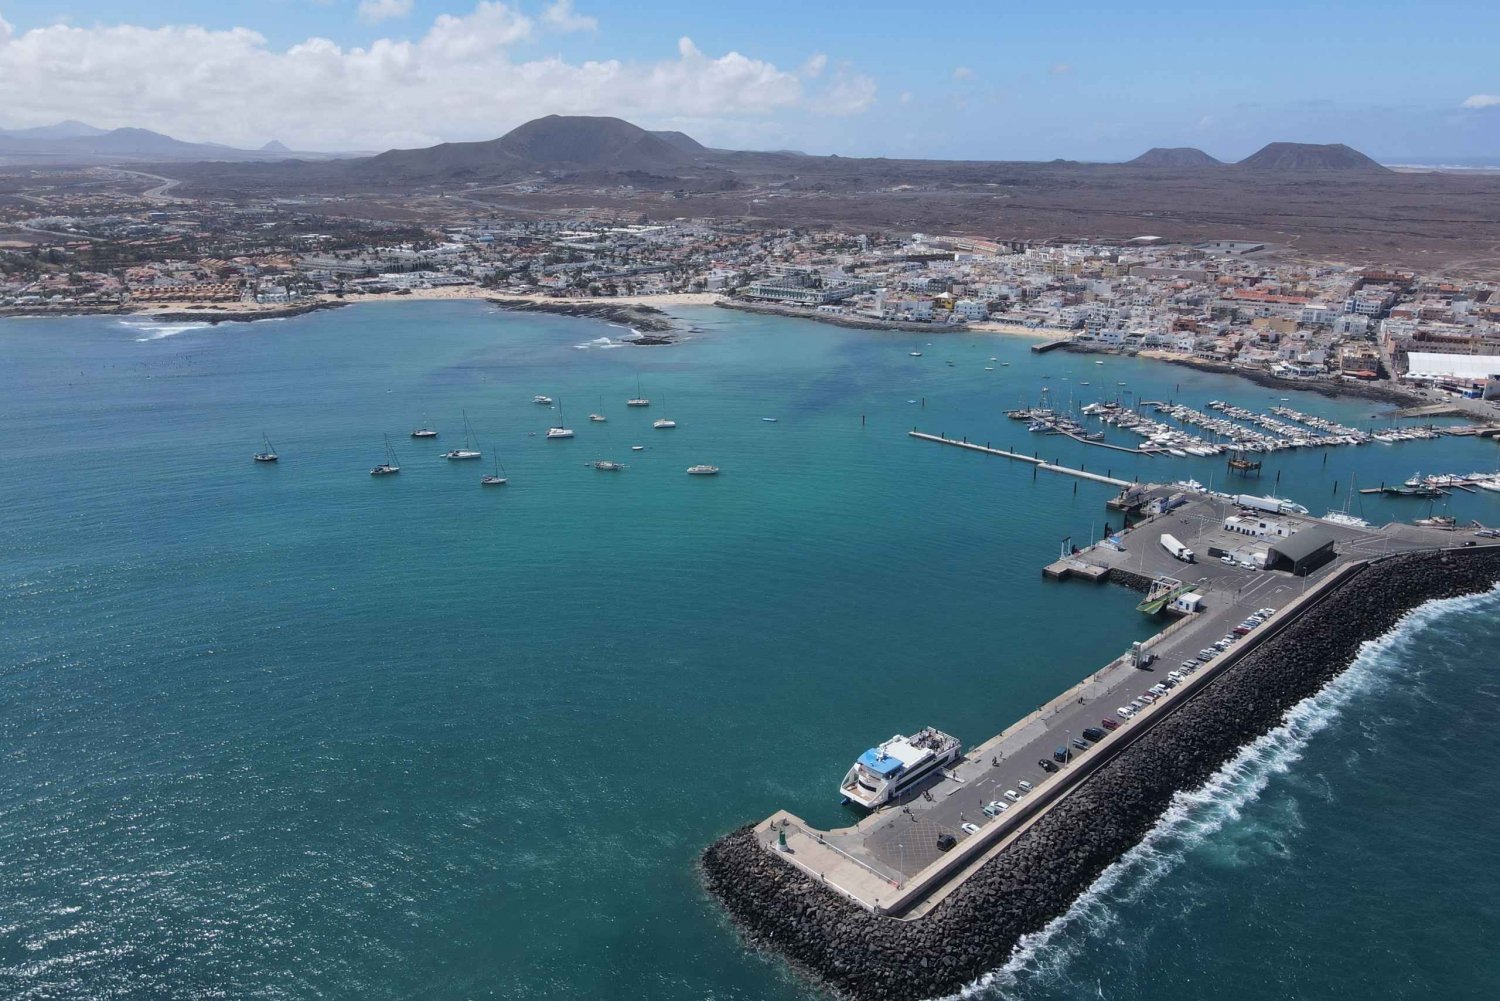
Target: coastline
1382,392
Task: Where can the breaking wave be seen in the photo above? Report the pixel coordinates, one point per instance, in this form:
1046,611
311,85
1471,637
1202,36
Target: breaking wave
600,343
157,331
1195,816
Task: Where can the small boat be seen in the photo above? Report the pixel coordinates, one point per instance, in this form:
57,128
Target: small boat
637,448
663,424
469,451
769,420
950,364
1098,363
498,479
424,432
605,465
545,401
638,400
598,418
390,465
916,354
989,368
703,470
561,430
267,452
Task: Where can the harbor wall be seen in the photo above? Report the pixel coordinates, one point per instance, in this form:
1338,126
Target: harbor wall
872,957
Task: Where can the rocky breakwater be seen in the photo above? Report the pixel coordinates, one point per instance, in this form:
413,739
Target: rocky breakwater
873,957
649,325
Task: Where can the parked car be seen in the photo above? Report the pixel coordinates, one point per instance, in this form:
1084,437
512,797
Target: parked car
995,808
1207,653
945,842
1109,724
1024,786
1158,689
1093,733
1177,675
1012,795
1267,612
1062,754
970,828
1147,698
1047,766
1124,712
1139,704
1080,743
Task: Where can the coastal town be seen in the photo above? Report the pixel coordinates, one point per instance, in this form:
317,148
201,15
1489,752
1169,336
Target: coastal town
1249,307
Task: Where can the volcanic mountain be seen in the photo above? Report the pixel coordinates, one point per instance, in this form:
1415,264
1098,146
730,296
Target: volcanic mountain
1309,156
1174,156
554,143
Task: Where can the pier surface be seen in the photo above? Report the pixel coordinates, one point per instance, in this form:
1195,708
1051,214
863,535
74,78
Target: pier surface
890,864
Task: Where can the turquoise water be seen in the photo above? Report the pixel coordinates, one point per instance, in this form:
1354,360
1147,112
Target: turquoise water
291,731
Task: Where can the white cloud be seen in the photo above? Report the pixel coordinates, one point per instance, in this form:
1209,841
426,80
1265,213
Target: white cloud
963,73
382,10
455,81
814,66
560,16
1061,69
1482,101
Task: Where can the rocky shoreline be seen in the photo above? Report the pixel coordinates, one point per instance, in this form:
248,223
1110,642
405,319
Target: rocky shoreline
866,957
652,326
241,316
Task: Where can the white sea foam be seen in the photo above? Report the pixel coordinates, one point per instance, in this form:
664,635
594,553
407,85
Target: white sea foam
601,343
1195,816
157,331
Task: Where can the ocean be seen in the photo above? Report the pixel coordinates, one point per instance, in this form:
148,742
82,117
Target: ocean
292,731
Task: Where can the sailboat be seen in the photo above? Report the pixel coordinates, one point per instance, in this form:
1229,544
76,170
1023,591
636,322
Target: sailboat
561,431
468,451
599,418
390,465
495,480
1342,516
639,400
425,431
268,453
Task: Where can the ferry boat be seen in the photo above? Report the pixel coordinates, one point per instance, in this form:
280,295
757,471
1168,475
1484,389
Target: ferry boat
703,470
887,770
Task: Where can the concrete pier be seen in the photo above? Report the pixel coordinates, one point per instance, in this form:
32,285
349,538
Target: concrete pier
1050,467
854,923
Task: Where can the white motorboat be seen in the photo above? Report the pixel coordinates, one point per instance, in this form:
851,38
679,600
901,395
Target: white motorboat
663,424
916,354
424,432
389,466
898,765
604,465
545,401
637,448
703,470
598,418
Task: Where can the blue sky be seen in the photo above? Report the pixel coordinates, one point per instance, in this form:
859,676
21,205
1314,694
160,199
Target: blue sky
1086,79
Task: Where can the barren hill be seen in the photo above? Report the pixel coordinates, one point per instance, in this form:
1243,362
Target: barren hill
1309,156
557,142
1175,156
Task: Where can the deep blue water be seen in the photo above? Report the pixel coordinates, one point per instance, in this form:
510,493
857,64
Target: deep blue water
294,732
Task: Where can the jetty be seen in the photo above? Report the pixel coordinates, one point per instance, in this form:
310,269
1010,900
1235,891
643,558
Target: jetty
1043,347
936,888
1051,467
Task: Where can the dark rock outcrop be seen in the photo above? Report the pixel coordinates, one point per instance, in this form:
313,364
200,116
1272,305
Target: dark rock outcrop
878,958
648,322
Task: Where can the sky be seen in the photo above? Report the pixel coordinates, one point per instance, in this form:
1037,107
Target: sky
1402,80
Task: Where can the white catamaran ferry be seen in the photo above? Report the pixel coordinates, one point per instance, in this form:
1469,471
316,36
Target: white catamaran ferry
884,772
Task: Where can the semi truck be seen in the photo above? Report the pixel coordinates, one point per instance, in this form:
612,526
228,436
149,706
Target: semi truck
1177,549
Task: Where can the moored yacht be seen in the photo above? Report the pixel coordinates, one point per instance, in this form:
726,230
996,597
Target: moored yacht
703,470
545,401
663,424
424,432
267,453
390,465
885,771
561,430
469,451
638,400
605,465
